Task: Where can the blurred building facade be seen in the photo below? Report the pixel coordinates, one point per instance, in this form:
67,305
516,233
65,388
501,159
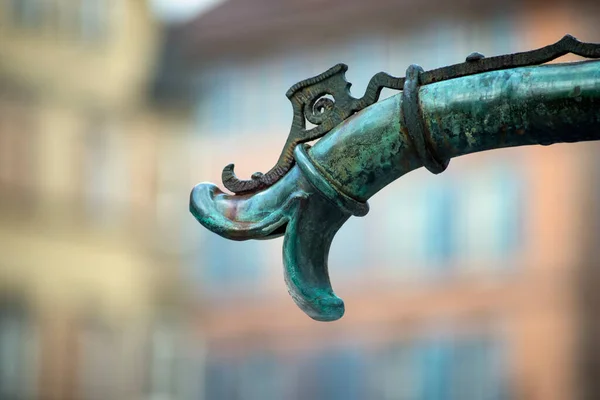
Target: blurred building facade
475,284
89,286
460,286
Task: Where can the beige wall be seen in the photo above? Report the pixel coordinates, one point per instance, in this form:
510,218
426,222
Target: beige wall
95,281
61,66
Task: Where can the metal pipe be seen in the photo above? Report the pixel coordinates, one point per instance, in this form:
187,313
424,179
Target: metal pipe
334,179
523,106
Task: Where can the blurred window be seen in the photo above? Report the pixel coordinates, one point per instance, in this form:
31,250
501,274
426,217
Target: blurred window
17,147
99,362
420,225
477,217
393,374
27,13
469,368
337,375
402,227
93,19
434,363
162,361
435,368
478,370
18,355
106,171
219,93
220,380
348,251
171,184
490,214
96,159
333,375
440,223
230,267
465,369
11,329
258,376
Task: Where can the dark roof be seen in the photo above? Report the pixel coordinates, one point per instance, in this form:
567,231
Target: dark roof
250,26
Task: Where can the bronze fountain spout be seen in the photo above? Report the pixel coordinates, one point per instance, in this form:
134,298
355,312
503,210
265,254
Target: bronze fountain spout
365,144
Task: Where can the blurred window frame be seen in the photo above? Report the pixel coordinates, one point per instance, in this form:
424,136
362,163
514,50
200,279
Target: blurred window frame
18,349
27,13
94,19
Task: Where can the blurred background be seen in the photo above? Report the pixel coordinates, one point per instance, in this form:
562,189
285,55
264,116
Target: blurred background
476,284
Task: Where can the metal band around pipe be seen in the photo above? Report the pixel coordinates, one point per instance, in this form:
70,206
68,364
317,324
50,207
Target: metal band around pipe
413,121
317,178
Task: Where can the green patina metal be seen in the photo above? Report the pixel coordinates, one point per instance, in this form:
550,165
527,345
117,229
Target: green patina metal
542,105
438,116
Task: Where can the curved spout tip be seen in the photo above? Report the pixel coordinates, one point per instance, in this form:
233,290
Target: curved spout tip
291,207
308,237
324,307
240,217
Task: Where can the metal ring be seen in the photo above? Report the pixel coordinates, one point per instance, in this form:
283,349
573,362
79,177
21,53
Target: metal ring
317,178
413,120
